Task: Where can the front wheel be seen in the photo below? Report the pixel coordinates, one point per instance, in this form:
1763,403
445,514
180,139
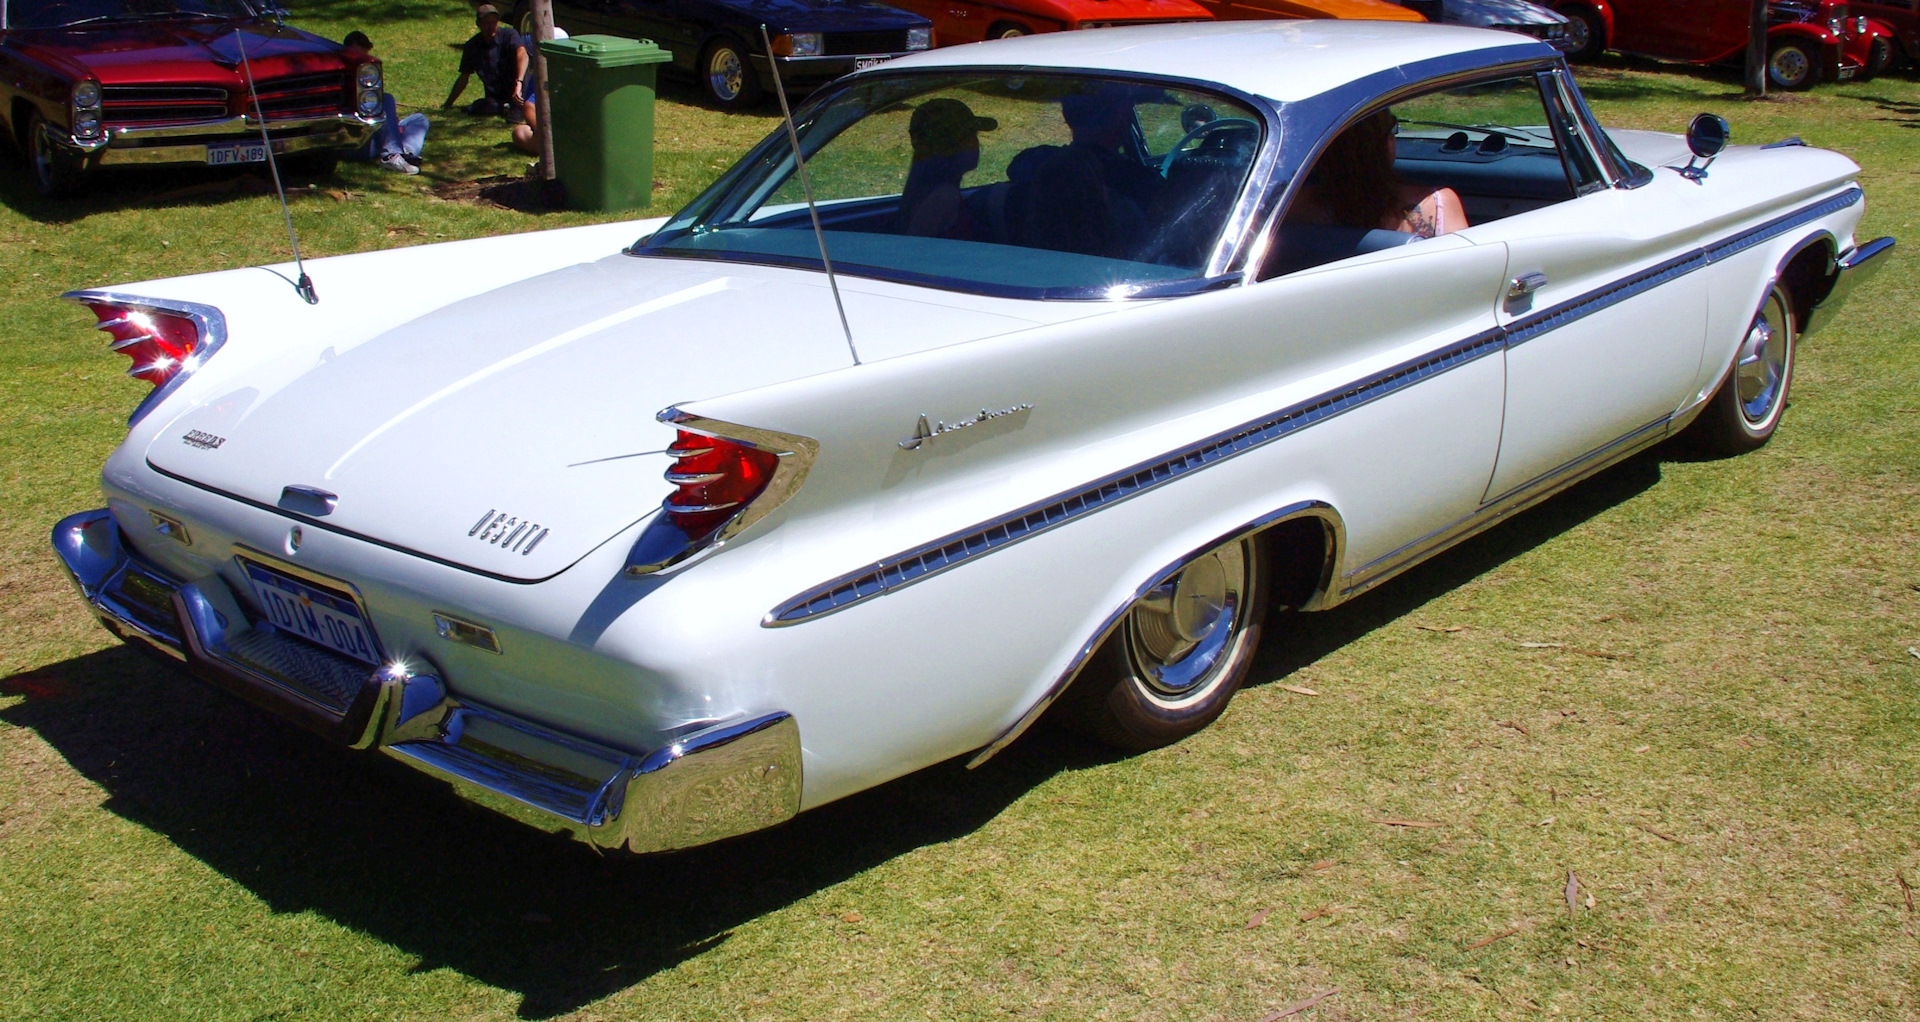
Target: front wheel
1879,58
1586,33
1008,30
727,74
1791,66
1177,655
57,172
1742,415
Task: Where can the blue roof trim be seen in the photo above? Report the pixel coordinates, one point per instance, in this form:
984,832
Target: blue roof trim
956,548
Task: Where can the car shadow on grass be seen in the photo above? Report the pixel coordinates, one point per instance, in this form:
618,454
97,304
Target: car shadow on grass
384,850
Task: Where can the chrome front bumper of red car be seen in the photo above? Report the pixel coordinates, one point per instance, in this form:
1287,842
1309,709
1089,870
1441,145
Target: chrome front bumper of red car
711,783
187,143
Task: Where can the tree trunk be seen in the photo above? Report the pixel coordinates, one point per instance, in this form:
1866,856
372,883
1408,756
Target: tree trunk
543,113
1756,49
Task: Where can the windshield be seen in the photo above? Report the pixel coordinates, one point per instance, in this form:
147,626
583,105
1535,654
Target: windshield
60,13
1047,186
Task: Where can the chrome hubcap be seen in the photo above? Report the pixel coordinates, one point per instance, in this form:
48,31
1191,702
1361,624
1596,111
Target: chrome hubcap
42,153
724,74
1181,632
1577,33
1789,66
1759,375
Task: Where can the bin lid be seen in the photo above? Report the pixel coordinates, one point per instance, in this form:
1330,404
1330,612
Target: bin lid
607,50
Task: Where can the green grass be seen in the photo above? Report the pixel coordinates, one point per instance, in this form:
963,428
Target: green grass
1719,744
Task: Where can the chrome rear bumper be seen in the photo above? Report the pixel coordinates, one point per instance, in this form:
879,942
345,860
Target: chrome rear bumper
1852,268
713,783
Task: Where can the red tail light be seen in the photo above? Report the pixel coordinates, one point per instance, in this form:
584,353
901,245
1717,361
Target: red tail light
713,479
159,343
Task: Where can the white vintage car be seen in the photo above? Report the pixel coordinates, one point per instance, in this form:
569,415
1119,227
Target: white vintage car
659,541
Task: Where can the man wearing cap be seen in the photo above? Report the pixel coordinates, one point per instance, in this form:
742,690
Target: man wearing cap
498,55
946,147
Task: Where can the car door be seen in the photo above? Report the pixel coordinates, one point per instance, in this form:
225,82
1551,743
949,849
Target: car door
1682,29
1604,321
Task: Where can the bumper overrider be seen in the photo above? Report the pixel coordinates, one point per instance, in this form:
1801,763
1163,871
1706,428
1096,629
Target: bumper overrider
187,143
712,783
1850,269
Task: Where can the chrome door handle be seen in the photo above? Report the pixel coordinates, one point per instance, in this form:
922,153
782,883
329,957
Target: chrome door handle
1525,284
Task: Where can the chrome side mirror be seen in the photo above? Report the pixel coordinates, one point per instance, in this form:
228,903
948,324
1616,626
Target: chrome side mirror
1706,136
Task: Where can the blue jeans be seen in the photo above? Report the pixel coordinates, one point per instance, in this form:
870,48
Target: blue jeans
396,134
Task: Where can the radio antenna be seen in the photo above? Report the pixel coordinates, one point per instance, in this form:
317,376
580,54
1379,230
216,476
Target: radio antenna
806,186
304,286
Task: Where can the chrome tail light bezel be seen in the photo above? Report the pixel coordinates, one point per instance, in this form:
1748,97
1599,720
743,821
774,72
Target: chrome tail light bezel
209,323
664,546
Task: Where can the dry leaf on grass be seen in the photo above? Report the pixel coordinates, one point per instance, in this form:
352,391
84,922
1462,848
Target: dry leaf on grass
1484,941
1449,629
1659,834
1516,725
1314,913
1915,652
1408,823
1643,748
1548,822
1906,891
852,917
1573,892
1323,864
1300,1006
1591,901
1543,645
1297,690
1258,918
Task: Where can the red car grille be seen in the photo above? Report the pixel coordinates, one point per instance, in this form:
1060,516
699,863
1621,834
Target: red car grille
302,95
163,104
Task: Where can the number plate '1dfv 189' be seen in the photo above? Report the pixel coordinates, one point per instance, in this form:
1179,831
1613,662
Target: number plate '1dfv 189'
322,615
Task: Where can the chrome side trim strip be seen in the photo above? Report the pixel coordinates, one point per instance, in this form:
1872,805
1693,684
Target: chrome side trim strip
1305,509
953,549
1515,500
948,551
1528,327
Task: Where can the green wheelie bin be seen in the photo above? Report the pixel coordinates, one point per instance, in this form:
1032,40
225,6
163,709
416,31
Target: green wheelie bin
600,91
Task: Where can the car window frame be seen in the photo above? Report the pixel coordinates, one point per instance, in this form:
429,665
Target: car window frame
1229,248
1538,67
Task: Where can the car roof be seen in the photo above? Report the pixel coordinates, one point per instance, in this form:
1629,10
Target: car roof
1281,60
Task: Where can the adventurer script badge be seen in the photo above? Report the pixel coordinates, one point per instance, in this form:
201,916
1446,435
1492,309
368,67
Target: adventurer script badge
926,431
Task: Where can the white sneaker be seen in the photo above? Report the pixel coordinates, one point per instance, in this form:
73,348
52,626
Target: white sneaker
395,161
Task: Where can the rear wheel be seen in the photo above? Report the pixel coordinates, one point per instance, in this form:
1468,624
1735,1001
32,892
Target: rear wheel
1008,30
1177,656
1792,66
1742,415
1586,33
57,171
727,75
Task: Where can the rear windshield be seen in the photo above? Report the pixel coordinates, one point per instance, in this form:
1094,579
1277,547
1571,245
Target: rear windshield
1052,186
62,13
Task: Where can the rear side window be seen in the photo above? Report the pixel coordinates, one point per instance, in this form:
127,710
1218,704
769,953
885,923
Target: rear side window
1433,164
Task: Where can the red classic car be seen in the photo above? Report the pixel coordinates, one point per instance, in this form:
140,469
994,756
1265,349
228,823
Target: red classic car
92,83
1898,37
1807,40
970,21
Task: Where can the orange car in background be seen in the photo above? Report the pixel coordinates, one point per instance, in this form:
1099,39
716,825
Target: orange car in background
971,21
1352,10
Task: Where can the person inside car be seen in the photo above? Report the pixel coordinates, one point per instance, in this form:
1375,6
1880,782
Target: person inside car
1354,185
945,134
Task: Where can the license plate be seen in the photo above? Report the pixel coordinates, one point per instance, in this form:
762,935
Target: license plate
319,614
245,152
862,63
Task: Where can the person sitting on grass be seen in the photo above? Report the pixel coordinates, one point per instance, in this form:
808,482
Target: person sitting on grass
396,144
499,56
523,133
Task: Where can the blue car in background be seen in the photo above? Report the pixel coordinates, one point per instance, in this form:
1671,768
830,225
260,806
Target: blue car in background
718,41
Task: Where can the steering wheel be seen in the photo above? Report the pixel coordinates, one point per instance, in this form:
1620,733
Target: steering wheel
1198,130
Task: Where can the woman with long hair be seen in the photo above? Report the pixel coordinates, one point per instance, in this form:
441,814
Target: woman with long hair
1354,185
